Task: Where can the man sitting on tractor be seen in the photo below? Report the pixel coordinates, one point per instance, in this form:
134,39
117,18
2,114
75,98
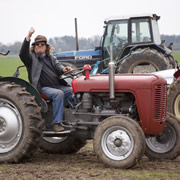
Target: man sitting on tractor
43,72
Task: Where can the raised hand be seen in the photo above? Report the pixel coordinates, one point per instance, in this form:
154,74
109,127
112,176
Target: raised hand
31,31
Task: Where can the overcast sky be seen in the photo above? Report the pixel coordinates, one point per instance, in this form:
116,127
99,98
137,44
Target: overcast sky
55,18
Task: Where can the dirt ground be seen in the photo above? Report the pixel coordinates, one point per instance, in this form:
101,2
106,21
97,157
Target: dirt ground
85,165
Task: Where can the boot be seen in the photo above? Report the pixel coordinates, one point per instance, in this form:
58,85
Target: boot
58,128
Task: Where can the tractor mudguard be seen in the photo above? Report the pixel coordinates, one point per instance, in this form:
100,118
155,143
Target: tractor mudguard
25,84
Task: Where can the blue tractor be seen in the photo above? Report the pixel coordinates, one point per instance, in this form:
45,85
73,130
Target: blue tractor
137,47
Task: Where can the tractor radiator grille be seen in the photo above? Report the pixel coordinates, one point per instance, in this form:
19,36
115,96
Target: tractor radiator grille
160,102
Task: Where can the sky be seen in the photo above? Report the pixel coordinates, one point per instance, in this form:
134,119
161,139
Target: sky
55,18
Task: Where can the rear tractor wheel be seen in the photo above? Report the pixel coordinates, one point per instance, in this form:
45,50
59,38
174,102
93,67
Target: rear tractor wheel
146,62
61,145
20,123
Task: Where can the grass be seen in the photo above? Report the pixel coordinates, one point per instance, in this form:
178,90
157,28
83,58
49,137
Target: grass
9,64
176,55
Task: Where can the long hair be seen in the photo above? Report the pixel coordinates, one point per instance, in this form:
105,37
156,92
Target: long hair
49,49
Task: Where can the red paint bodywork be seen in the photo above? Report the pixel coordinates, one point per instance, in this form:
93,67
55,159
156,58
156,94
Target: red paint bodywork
149,91
177,74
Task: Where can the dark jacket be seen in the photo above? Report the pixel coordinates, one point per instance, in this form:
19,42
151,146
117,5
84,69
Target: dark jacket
34,64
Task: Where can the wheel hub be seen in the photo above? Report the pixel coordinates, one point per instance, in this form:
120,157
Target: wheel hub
10,126
177,106
144,68
163,142
162,138
117,143
2,124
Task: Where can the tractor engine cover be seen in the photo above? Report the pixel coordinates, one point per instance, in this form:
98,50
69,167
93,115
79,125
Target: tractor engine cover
150,92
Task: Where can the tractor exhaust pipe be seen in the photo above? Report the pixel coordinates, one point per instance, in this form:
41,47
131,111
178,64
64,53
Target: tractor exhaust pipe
111,74
76,35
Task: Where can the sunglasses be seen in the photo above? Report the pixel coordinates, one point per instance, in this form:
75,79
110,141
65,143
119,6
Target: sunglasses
40,44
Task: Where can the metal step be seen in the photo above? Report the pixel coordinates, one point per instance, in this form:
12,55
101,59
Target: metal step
49,133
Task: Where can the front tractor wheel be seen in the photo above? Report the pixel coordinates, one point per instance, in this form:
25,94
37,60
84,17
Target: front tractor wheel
167,144
149,61
119,142
20,123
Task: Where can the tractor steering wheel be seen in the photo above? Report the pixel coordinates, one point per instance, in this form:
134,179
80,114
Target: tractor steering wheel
70,74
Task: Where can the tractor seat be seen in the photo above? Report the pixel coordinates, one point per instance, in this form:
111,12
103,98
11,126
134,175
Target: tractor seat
43,96
44,102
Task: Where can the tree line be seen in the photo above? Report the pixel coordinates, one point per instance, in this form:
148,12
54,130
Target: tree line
68,43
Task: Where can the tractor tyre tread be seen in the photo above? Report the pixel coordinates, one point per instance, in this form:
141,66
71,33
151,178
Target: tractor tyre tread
148,56
31,120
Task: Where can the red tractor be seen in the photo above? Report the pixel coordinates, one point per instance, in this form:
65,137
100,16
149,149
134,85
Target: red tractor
124,114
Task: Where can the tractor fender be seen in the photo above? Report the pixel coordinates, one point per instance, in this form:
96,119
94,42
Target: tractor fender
160,48
25,84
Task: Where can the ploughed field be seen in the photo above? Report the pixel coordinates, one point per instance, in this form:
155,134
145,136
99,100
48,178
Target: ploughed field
85,165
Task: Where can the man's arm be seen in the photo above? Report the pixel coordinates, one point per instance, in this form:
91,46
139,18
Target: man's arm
57,65
60,69
25,55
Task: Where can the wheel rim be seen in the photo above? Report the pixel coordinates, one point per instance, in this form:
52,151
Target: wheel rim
117,143
55,140
10,126
164,142
177,106
143,67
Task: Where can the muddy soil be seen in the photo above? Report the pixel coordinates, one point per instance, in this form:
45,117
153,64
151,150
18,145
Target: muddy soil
85,165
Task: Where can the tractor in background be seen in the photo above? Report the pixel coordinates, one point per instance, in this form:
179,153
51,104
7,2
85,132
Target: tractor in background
173,82
137,47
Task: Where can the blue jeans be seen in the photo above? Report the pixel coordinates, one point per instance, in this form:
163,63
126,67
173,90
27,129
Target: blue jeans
57,96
